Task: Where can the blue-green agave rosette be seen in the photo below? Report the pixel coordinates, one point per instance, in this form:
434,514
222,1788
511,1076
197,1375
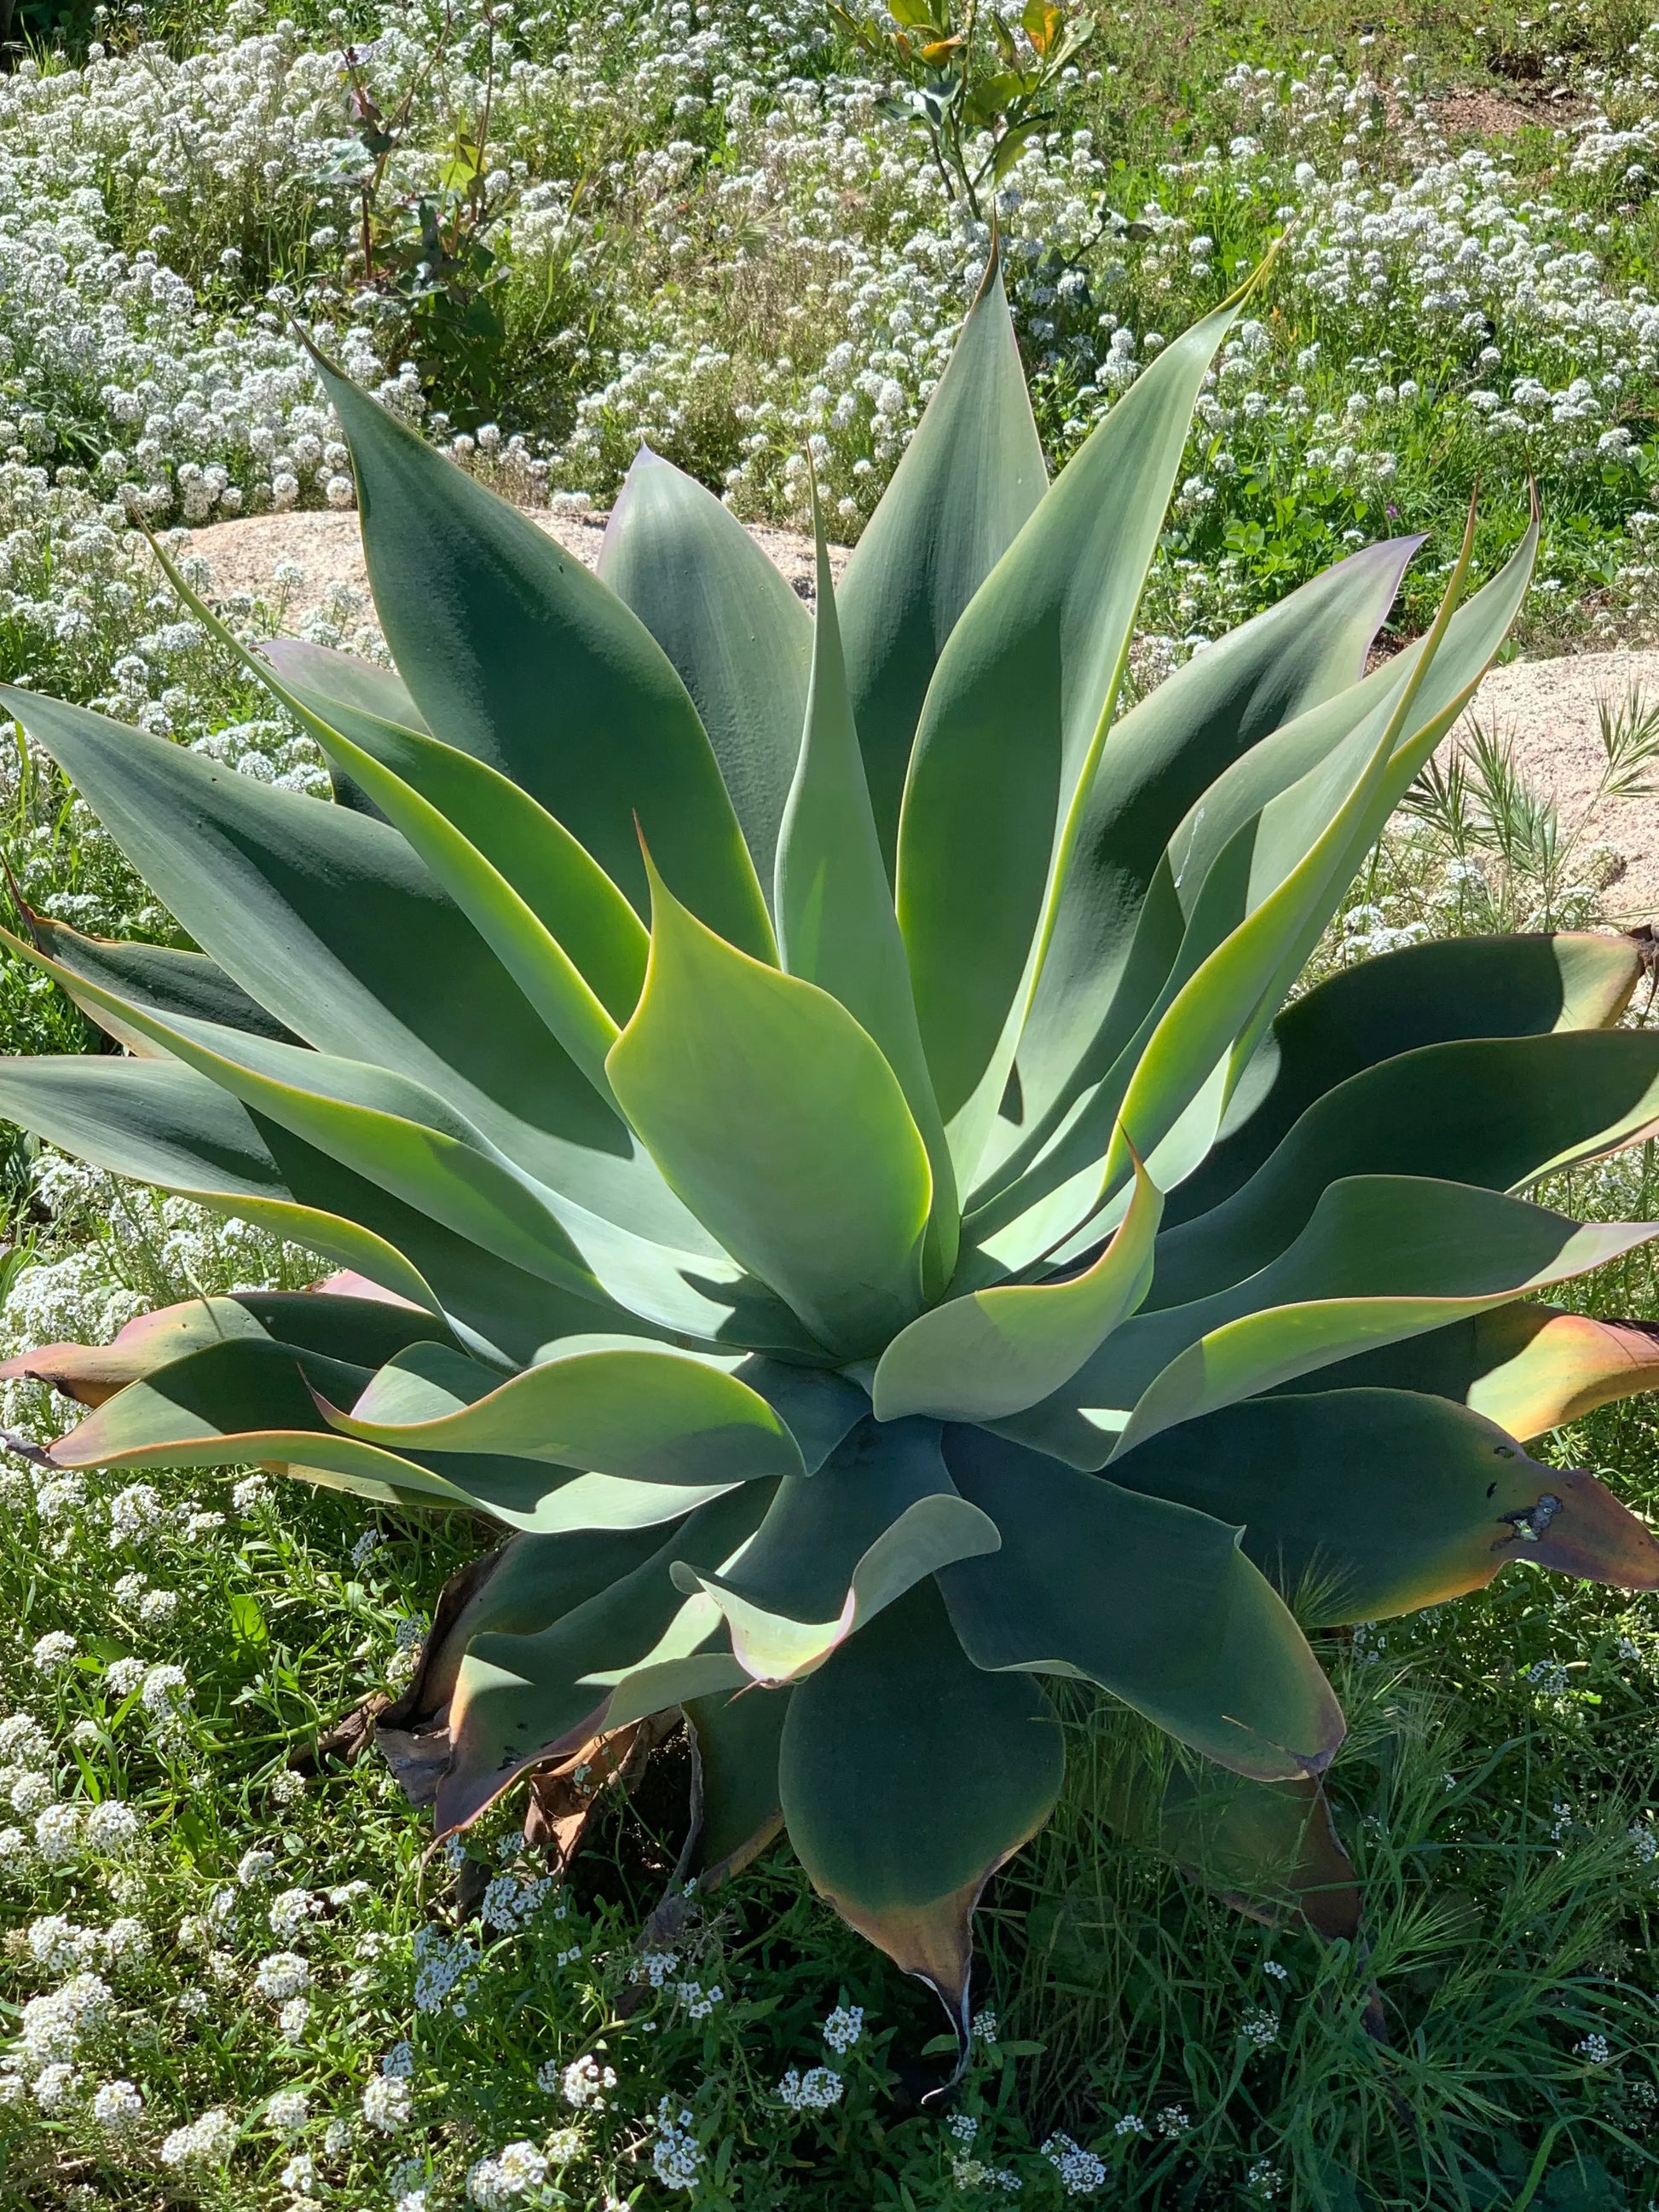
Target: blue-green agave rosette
812,1112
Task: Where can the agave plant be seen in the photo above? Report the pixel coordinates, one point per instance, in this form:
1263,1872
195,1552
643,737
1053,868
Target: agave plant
807,1115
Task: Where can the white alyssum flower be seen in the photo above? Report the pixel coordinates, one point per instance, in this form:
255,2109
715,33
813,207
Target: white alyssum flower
494,2182
1080,2171
255,1866
53,1651
388,2102
207,2140
118,2106
54,2085
398,2064
58,1833
299,2176
814,2091
281,1975
843,2028
290,1911
112,1827
287,2111
676,2153
583,2082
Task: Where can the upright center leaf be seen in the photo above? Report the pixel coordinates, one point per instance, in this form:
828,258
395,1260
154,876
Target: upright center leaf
775,1117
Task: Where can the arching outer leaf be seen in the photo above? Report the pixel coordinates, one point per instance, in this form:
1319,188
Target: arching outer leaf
735,1740
1262,1349
156,975
775,1119
1378,1502
1529,1367
518,1589
1382,1257
1268,1849
835,923
243,1398
996,1352
1157,762
1153,1602
987,824
513,652
738,634
1424,994
398,1135
521,1699
343,679
533,855
968,480
328,919
1278,854
880,1516
362,1332
544,907
1495,1112
908,1776
647,1415
159,1122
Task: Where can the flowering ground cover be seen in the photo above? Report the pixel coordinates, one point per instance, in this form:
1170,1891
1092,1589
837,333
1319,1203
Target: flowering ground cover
230,1978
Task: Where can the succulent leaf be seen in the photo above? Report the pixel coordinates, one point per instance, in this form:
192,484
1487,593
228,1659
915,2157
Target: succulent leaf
907,1775
987,828
1424,994
1154,1603
825,1193
996,1352
1160,760
835,923
520,1699
1432,1500
739,638
478,605
969,481
881,1516
1573,1095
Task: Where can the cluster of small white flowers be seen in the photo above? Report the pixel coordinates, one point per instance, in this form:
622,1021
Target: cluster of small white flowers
53,1651
207,2140
1595,2048
653,1968
290,1910
676,2153
814,2091
495,2183
118,2106
511,1899
282,1975
1129,2123
287,2111
1264,2180
1080,2171
388,2103
1172,2120
443,1965
1260,2028
583,2083
843,2028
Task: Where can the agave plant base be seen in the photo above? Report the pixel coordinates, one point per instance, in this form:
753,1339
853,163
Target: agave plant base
818,1140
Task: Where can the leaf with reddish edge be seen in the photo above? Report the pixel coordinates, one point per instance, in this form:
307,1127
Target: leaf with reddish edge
1529,1367
522,1586
908,1777
1268,1849
520,1700
1371,1503
364,1329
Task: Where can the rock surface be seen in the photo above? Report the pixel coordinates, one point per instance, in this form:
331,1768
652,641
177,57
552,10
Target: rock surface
1548,708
